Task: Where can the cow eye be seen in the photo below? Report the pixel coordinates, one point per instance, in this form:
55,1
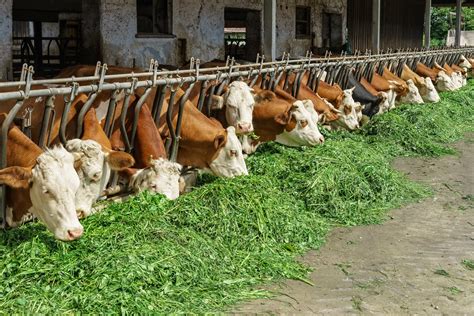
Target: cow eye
233,153
304,123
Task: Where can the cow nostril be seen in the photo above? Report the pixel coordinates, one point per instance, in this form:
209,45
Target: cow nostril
74,233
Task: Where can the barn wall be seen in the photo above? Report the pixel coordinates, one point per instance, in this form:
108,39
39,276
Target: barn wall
90,28
6,23
119,45
198,27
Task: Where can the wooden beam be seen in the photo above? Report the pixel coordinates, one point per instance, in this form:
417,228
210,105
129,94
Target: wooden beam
457,41
376,4
428,24
269,29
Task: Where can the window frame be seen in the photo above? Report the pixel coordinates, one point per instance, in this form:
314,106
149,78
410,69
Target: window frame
306,22
156,34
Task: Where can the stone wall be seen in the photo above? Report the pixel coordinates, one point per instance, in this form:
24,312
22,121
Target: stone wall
6,23
118,41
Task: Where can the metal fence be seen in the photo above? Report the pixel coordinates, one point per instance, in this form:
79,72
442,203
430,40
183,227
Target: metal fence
213,82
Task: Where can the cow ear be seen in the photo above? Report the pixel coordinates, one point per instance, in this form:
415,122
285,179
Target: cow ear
77,160
119,160
219,141
283,118
16,177
217,102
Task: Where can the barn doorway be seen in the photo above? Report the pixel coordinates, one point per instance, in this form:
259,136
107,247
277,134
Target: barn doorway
46,35
242,33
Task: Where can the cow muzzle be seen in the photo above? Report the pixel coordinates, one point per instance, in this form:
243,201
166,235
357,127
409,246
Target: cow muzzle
244,128
74,233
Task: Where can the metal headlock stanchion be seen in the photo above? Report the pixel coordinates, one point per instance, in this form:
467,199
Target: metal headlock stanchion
143,84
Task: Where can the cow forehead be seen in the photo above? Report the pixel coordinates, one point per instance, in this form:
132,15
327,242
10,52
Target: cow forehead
239,92
55,168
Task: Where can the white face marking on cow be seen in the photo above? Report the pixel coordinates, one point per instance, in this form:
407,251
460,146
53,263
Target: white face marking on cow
94,173
392,98
384,105
249,145
347,98
229,161
161,177
458,79
39,99
306,132
465,63
444,82
429,93
413,95
239,103
349,116
53,189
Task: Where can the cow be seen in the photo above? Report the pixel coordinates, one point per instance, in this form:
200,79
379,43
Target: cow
152,170
370,103
410,93
96,156
392,88
280,117
385,105
204,143
428,92
41,183
425,71
444,82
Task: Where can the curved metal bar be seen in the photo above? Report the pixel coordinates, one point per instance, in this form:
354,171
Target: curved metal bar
169,121
109,118
182,102
123,116
138,108
3,157
49,106
158,103
67,107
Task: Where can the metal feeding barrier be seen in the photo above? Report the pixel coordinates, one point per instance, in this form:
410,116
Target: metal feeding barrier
167,84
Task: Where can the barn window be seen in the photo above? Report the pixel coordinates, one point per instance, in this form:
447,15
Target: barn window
303,22
154,17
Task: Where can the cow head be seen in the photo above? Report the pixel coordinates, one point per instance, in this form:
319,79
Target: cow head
239,103
94,172
52,183
349,116
464,63
428,92
162,176
300,122
413,94
444,82
458,79
229,160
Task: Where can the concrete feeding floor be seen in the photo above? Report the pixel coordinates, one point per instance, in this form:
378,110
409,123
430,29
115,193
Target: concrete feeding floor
411,264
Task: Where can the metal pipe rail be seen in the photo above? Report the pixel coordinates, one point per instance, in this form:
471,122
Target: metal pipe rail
271,73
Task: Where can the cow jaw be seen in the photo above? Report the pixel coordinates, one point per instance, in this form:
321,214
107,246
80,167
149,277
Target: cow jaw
413,95
444,82
94,173
429,93
305,132
52,191
229,161
385,104
465,63
162,177
239,103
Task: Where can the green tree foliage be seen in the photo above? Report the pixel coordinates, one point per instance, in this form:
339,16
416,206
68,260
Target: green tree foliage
442,21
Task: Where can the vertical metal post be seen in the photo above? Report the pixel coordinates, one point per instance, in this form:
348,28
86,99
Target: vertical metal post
376,26
428,24
269,27
457,41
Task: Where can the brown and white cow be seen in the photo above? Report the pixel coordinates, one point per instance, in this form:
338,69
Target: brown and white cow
427,91
42,183
410,93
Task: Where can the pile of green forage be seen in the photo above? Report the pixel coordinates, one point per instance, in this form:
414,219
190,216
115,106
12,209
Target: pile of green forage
213,247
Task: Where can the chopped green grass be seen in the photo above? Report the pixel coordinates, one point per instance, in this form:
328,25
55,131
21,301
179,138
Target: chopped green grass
213,247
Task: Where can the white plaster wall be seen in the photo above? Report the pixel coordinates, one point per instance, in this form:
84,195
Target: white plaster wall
5,38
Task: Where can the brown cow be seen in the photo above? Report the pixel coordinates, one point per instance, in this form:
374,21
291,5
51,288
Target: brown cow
411,93
42,183
426,88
